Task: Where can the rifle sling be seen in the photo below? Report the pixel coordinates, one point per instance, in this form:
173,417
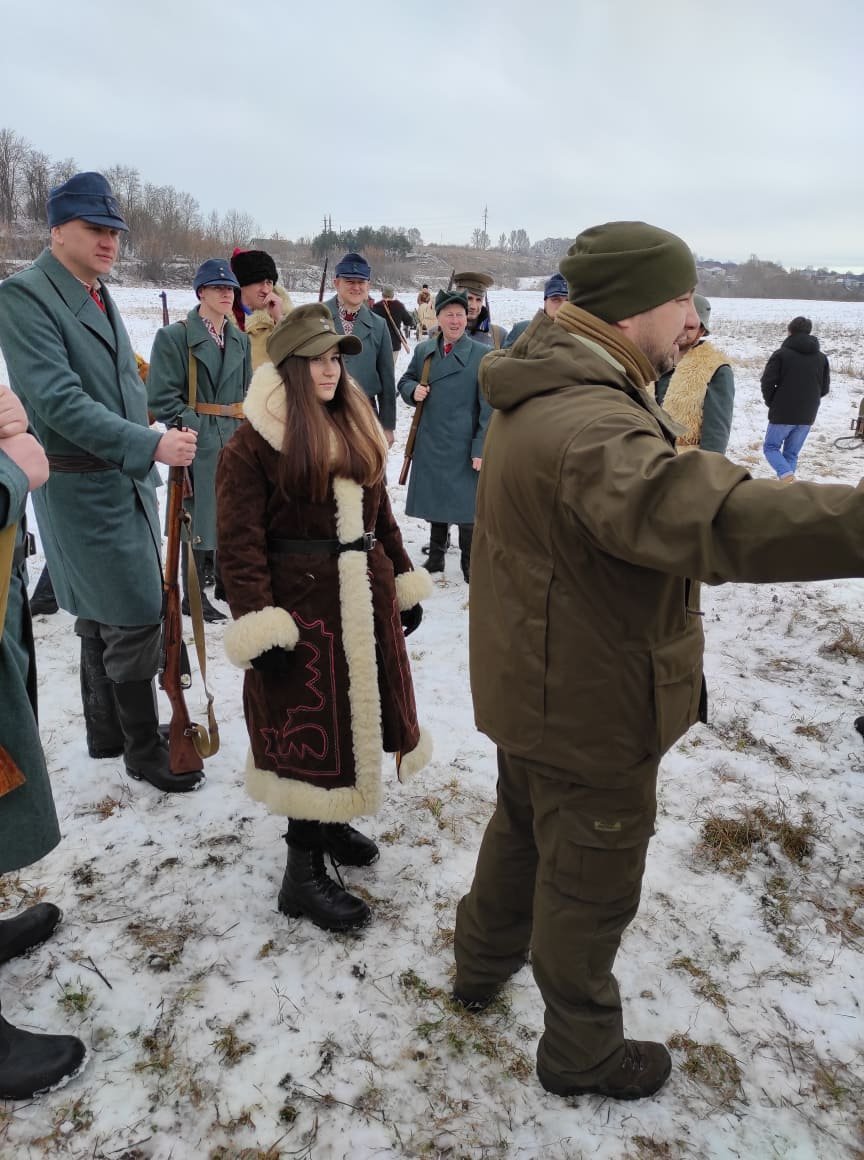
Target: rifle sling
205,740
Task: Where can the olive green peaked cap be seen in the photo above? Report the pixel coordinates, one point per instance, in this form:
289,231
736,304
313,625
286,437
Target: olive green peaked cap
624,268
475,281
309,331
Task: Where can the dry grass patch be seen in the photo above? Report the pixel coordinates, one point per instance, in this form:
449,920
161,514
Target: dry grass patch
163,942
848,643
730,842
649,1148
737,735
711,1066
228,1045
705,985
450,1029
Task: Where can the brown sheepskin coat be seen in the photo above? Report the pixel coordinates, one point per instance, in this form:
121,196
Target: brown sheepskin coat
317,732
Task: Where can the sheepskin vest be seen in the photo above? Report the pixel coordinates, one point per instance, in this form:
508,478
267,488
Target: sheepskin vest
685,395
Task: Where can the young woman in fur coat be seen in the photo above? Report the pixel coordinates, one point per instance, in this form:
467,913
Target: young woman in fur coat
322,593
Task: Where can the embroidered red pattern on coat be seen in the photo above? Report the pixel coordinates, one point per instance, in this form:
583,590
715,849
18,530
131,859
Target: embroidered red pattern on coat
307,742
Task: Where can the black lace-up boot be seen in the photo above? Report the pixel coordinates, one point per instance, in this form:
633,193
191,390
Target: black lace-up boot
308,890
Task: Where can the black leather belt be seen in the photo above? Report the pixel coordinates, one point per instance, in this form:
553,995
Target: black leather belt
79,463
276,547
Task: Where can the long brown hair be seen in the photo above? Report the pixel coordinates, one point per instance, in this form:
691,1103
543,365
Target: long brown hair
341,437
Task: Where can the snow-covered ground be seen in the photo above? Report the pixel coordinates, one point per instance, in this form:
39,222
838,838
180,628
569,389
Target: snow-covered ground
219,1029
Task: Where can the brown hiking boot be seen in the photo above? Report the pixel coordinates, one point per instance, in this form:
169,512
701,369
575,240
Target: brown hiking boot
643,1070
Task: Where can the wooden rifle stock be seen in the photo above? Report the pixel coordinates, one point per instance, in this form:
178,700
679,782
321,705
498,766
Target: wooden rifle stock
323,282
415,422
183,755
410,441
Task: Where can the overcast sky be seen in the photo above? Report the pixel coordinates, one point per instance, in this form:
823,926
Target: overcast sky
737,124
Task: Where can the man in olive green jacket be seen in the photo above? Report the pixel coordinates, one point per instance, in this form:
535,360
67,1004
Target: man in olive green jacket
70,361
585,635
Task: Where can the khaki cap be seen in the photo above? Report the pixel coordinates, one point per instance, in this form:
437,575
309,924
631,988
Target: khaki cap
477,283
309,331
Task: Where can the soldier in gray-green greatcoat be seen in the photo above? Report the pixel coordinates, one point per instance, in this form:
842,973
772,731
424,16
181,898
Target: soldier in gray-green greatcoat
71,363
29,1063
223,368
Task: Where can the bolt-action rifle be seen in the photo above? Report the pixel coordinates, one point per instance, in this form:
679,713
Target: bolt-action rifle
188,742
323,282
418,409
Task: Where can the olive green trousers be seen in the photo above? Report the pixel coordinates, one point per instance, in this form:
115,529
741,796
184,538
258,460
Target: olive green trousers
559,873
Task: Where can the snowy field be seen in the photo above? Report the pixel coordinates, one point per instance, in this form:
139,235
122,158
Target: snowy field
219,1029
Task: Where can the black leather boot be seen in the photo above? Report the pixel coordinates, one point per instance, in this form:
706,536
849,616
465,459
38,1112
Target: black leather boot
466,537
145,749
346,845
210,614
426,547
27,930
31,1064
437,547
208,568
43,602
218,586
308,890
102,726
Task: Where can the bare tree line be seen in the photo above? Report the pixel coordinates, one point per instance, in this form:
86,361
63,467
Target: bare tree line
165,224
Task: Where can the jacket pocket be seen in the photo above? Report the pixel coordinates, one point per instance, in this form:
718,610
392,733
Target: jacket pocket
677,671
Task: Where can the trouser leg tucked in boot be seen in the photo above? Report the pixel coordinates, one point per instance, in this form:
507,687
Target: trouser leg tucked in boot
43,602
102,726
210,614
308,890
31,1064
466,535
145,749
346,845
437,548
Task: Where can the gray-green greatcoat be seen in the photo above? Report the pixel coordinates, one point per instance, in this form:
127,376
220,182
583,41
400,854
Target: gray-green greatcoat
28,821
223,376
372,369
442,487
74,369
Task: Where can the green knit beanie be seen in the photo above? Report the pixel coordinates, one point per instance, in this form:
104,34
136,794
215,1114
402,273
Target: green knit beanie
624,268
450,298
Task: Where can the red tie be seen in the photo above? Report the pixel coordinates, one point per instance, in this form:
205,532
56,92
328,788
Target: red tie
448,346
97,298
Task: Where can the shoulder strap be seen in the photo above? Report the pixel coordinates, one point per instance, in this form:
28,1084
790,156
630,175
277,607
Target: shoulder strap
193,371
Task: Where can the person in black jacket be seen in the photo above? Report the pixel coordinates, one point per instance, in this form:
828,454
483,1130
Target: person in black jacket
794,382
395,315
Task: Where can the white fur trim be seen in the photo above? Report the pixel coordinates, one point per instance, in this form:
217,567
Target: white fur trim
411,763
254,633
301,799
412,587
266,406
358,641
349,510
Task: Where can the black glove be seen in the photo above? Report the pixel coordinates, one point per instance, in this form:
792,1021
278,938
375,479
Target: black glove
411,618
274,661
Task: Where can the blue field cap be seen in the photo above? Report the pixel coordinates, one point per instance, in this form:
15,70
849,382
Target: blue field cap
353,266
214,272
87,196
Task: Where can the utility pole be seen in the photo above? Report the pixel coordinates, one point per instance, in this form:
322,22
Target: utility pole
485,219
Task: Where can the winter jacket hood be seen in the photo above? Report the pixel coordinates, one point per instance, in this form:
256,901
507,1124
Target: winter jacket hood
802,343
